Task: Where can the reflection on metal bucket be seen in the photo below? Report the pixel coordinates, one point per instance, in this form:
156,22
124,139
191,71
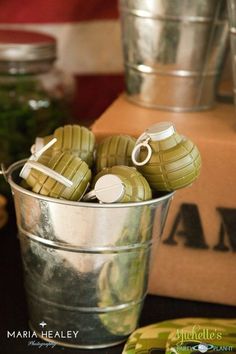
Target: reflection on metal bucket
232,23
173,51
85,264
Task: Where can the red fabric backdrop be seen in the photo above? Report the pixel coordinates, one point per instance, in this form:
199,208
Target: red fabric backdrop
55,11
94,90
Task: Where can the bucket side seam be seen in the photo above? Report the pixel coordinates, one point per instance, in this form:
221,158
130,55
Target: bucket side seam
77,249
120,307
183,19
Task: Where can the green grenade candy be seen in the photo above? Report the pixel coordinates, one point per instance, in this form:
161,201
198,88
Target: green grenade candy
64,176
40,143
114,150
34,174
40,156
121,184
74,139
168,161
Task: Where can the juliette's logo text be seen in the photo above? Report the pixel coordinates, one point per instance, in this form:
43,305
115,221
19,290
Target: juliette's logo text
198,333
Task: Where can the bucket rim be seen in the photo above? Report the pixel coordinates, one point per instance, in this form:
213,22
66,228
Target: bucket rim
15,186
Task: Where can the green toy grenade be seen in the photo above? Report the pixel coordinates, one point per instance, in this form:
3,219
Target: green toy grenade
74,139
62,176
169,161
121,184
114,150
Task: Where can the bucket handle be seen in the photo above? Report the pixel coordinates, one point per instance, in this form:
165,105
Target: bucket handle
32,163
4,171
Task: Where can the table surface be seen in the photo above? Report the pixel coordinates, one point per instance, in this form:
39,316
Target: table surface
13,309
123,117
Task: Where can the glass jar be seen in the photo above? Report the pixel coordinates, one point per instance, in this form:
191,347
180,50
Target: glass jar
33,101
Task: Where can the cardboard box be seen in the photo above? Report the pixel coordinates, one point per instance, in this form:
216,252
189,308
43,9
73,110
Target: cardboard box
196,258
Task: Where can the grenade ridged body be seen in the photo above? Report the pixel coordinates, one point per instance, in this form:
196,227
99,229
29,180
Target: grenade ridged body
69,166
74,139
136,186
34,174
115,150
175,163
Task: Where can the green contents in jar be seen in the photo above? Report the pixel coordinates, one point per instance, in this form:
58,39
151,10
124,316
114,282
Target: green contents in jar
26,111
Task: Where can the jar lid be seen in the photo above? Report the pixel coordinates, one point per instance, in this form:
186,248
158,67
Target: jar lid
26,46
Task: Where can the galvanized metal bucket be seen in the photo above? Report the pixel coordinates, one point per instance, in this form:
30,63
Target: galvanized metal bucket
232,24
85,264
173,51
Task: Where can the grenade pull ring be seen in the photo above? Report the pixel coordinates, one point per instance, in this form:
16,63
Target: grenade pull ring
49,172
36,154
108,189
24,173
156,132
32,163
38,145
136,150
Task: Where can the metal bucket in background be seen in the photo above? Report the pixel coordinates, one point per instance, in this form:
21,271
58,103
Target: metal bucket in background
232,24
173,51
85,264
